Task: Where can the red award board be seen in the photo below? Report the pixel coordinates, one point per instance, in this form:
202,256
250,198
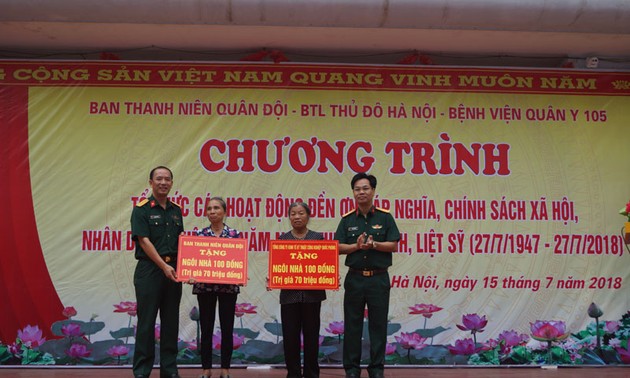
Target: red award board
212,260
304,264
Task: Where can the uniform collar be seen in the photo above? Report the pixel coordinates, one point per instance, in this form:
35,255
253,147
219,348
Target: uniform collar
371,211
154,203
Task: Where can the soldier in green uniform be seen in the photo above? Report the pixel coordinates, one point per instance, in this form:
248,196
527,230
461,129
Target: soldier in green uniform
156,223
368,236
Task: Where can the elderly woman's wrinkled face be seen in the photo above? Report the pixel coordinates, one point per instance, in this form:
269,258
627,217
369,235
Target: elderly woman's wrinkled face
215,212
298,217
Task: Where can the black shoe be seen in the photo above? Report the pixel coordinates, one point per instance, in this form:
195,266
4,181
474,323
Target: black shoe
376,374
140,376
174,375
353,375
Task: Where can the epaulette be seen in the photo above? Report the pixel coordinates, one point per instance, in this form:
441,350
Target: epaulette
176,204
349,212
383,210
142,203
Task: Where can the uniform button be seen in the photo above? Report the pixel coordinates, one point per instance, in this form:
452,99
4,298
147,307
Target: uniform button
364,257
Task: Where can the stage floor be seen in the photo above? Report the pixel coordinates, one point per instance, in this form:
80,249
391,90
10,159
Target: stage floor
393,372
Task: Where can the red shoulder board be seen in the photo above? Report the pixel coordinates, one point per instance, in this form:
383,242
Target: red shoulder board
349,212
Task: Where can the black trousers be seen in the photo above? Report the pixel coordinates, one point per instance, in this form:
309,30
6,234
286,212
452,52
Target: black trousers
207,307
301,318
372,292
156,293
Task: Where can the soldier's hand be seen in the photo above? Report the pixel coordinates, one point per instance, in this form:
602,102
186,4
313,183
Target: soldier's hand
370,242
170,273
365,242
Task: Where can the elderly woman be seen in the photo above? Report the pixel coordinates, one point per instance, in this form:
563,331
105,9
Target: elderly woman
209,294
300,309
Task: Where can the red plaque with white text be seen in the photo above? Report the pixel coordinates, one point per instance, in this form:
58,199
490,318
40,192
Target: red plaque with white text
304,264
212,260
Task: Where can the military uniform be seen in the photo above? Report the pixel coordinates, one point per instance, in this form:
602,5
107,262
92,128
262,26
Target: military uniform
154,291
367,282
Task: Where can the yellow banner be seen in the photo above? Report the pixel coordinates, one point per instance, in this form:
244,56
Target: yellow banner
506,190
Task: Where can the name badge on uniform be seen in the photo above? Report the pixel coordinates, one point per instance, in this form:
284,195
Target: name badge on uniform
155,216
353,228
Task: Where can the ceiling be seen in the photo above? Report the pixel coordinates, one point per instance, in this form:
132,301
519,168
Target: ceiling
529,33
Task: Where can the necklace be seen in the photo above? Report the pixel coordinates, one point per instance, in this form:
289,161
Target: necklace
299,237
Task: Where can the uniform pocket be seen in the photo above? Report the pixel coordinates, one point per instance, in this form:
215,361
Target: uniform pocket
378,235
157,227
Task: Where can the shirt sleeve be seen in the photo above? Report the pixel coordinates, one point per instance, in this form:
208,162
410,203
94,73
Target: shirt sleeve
139,223
393,234
181,228
340,234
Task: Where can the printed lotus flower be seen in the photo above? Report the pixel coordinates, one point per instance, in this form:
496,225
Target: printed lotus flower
31,336
509,339
78,351
71,330
489,345
336,328
130,308
473,323
594,311
548,331
244,308
612,326
69,312
464,347
624,354
625,211
237,341
156,332
411,341
194,314
15,349
614,343
118,351
390,349
425,310
512,338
